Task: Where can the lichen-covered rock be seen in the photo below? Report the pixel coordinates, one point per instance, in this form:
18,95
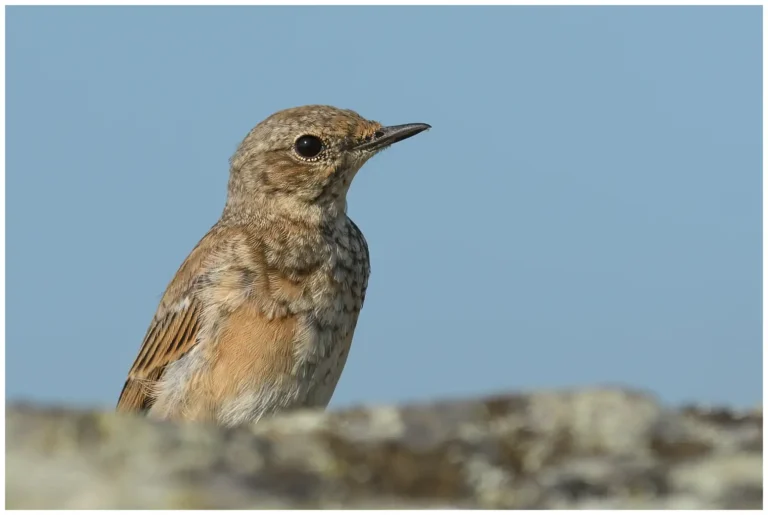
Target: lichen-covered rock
594,448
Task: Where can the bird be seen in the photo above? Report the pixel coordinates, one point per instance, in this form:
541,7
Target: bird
259,317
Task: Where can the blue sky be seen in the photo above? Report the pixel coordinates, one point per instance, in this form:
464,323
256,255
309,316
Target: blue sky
586,209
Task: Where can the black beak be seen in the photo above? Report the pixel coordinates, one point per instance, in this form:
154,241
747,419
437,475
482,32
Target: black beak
388,135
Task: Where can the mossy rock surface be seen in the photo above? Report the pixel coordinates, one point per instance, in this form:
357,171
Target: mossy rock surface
590,448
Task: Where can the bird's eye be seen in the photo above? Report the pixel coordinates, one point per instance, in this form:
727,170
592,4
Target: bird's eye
308,146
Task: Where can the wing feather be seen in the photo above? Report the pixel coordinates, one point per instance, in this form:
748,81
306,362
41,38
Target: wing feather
167,339
173,331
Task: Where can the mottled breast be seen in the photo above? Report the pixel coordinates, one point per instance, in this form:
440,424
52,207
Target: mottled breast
338,288
314,282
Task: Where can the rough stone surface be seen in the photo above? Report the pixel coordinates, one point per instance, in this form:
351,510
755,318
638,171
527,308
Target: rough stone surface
592,448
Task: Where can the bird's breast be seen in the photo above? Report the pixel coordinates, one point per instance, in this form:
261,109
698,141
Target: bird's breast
287,342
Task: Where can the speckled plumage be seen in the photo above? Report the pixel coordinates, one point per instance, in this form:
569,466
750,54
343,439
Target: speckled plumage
260,316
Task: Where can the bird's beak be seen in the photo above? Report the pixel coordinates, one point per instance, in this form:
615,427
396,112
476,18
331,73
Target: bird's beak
386,136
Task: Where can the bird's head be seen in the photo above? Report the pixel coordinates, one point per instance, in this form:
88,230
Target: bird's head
307,156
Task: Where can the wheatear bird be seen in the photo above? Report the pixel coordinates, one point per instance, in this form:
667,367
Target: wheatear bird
259,318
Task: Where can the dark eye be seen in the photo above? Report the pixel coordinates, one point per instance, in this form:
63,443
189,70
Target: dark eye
308,146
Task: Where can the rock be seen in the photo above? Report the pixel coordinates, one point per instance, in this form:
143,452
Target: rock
592,448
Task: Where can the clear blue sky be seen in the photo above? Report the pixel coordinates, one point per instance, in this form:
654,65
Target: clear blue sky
586,209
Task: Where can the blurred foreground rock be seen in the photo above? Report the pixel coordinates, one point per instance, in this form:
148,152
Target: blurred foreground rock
581,449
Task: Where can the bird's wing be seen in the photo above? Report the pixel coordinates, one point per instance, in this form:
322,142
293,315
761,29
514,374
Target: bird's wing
172,333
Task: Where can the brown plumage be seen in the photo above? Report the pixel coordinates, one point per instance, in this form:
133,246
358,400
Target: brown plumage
260,316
